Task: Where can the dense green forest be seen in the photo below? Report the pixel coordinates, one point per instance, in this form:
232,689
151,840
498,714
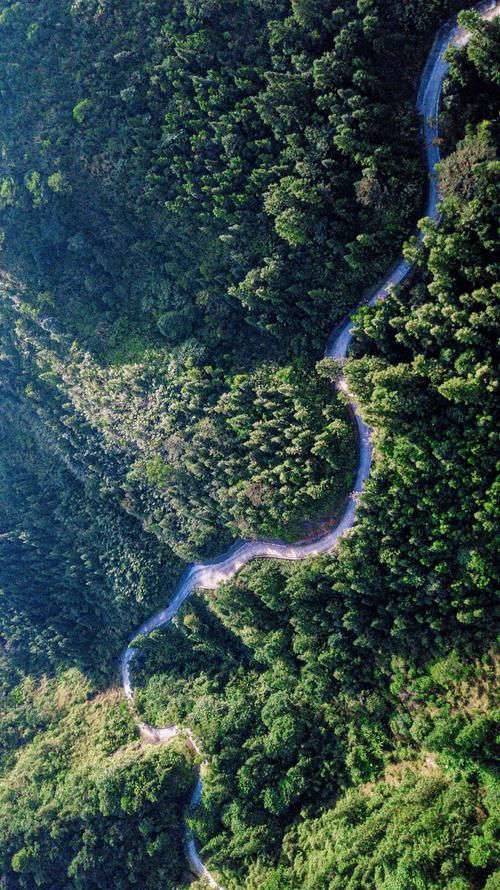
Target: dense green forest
88,790
191,195
189,202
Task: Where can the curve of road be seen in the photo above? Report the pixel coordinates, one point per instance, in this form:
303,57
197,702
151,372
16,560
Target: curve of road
207,576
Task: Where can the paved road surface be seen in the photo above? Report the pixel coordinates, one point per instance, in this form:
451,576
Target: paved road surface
207,576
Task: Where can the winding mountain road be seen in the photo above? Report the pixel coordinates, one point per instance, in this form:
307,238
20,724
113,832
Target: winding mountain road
207,576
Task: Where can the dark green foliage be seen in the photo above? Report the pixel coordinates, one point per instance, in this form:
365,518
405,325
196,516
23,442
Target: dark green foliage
193,167
431,395
76,573
472,93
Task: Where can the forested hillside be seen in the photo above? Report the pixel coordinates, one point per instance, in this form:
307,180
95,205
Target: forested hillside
191,196
371,676
88,790
169,175
189,202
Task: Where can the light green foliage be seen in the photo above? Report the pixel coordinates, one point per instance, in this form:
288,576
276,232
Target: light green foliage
81,110
410,836
79,791
56,182
32,182
7,192
458,172
77,572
